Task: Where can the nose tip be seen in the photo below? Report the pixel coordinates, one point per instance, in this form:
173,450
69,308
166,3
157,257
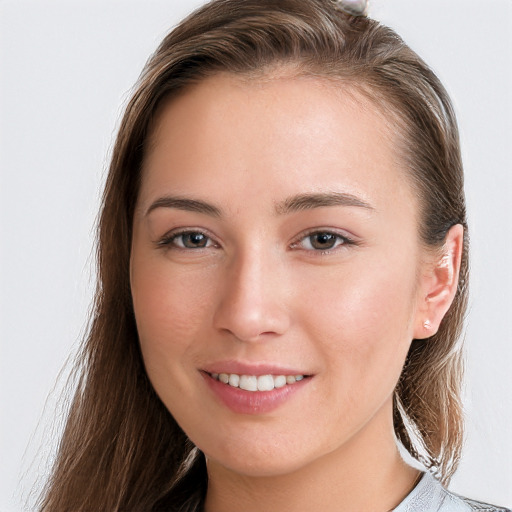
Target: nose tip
250,317
251,305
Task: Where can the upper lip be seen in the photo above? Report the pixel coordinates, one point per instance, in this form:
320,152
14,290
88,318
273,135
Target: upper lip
245,368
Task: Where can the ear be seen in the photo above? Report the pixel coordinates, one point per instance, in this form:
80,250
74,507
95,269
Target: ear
438,284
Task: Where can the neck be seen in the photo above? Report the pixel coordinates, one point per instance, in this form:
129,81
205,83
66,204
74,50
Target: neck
366,473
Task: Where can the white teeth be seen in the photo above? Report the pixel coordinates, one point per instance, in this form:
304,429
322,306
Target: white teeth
248,382
256,383
234,380
279,381
265,383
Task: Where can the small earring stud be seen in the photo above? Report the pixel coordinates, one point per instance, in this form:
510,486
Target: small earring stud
427,325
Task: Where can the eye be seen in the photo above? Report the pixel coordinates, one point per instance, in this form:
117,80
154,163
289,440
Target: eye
187,240
322,241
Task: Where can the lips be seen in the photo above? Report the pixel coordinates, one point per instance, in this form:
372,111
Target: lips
256,383
253,389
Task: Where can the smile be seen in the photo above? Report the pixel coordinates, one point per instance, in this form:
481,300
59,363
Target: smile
247,393
255,382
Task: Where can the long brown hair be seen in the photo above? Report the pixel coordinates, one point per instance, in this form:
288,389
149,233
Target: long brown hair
121,448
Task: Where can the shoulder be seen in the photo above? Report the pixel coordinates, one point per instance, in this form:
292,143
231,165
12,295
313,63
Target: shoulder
430,496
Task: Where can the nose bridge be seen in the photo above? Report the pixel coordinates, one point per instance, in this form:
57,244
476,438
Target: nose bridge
250,304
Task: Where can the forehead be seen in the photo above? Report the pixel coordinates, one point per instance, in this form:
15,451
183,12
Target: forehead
292,133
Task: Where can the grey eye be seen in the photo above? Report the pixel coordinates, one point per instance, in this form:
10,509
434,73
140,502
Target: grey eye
192,240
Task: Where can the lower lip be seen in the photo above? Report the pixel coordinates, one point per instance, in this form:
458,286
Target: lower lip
253,402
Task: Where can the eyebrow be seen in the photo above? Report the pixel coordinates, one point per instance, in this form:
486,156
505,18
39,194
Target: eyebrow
296,203
309,201
190,205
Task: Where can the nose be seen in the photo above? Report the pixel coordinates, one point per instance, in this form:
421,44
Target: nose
252,300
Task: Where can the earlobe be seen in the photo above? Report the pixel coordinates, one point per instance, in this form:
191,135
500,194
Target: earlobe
439,284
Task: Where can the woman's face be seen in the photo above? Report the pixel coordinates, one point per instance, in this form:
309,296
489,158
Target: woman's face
275,236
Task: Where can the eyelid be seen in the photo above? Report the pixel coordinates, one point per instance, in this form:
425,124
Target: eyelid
166,241
348,240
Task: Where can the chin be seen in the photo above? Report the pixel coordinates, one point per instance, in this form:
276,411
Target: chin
270,458
258,467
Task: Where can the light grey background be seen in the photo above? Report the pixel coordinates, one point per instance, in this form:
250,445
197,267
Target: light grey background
66,69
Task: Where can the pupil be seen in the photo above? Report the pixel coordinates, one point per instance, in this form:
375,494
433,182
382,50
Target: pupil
323,241
195,240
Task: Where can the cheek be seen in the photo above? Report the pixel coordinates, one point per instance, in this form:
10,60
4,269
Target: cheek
365,298
362,320
171,308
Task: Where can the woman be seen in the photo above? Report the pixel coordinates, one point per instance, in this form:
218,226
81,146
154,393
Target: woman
282,276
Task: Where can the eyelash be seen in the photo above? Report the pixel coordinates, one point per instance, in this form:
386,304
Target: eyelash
168,241
341,241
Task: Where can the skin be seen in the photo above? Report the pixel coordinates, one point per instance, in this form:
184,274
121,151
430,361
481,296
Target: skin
259,292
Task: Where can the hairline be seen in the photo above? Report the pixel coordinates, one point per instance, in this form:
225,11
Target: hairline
353,85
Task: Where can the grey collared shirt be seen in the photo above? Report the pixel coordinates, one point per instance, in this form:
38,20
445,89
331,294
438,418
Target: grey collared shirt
430,496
